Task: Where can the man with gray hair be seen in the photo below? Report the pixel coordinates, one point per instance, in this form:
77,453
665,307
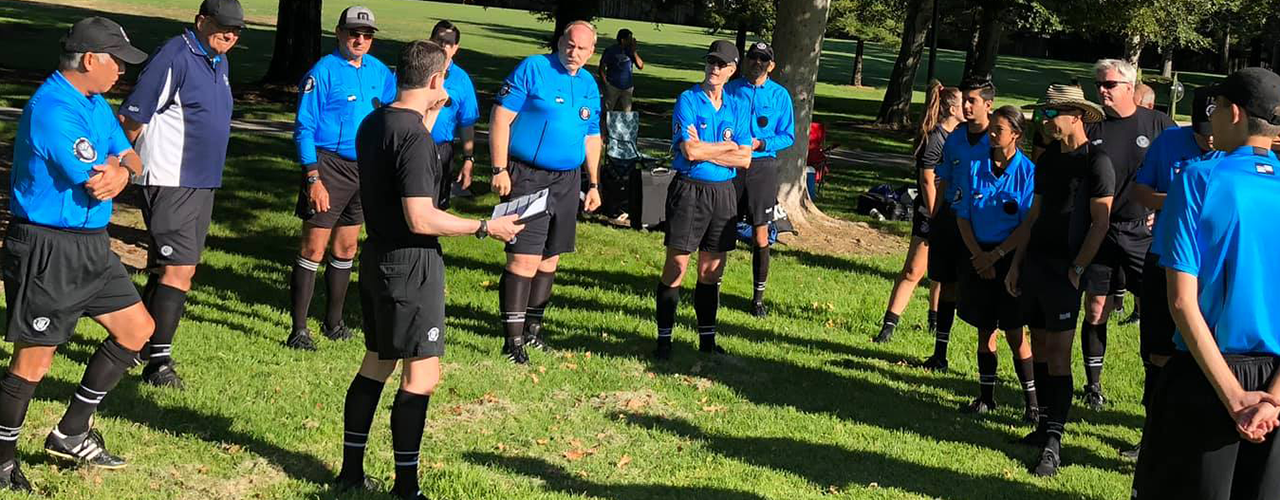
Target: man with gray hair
1144,96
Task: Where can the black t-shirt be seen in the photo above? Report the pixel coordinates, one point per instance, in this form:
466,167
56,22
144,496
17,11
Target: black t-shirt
931,154
1065,183
1125,141
397,160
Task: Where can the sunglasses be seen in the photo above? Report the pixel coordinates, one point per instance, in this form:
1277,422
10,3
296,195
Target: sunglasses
758,57
716,63
367,35
1109,84
1052,113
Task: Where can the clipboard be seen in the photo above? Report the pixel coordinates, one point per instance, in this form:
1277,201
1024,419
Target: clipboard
529,207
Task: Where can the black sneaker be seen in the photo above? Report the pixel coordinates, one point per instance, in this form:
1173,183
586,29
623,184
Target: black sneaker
1093,397
1049,460
513,349
1031,415
1133,319
88,448
885,335
712,349
162,375
935,363
533,337
12,479
1131,455
663,351
337,333
300,340
759,310
365,484
978,407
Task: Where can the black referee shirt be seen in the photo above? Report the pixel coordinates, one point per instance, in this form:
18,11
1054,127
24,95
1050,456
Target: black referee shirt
397,159
1126,141
1065,183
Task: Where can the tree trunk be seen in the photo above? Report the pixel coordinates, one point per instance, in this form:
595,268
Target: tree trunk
971,49
1224,51
856,81
987,46
1255,52
1133,45
741,41
568,11
1275,56
895,110
297,44
1166,65
797,41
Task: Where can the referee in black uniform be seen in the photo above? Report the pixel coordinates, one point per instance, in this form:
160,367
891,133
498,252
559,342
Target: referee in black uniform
402,283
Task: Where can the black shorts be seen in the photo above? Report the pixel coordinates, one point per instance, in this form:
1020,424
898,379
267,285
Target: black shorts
341,178
701,216
1117,267
1156,328
547,236
986,304
445,151
1190,448
1048,300
920,220
757,189
53,277
178,220
946,251
402,297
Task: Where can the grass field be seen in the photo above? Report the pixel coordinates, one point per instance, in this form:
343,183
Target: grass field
806,408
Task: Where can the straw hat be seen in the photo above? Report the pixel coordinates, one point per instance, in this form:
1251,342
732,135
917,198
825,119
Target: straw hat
1068,96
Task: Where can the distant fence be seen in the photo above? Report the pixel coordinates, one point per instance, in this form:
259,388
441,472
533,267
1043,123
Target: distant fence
618,9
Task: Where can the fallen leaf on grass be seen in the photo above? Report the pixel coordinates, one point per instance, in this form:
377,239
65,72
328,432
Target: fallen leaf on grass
569,366
542,442
622,462
534,377
712,408
572,455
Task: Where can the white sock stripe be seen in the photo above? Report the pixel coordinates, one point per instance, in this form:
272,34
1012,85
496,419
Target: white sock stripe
406,464
356,434
89,401
9,438
760,286
707,334
341,264
1030,385
307,264
10,429
707,328
91,391
354,445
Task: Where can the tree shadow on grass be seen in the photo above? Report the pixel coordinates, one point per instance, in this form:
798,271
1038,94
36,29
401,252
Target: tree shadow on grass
557,479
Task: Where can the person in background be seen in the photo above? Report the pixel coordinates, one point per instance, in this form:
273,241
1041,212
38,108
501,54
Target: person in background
1144,96
615,71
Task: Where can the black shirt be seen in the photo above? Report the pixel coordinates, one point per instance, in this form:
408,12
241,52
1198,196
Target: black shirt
1125,141
1065,183
397,159
931,153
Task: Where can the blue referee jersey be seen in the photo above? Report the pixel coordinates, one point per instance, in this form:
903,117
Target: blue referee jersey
1168,155
729,123
461,111
769,110
1221,228
960,159
995,206
556,112
61,136
333,98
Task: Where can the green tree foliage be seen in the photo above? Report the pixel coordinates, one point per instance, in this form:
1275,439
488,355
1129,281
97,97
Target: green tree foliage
869,20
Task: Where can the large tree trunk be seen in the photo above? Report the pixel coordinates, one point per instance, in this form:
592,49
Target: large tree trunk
856,79
297,41
1166,62
1275,56
1255,52
1224,51
741,40
895,110
797,41
1133,45
987,47
971,49
568,11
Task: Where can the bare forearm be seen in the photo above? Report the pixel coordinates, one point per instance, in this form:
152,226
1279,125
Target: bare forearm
705,151
1100,217
739,157
468,135
594,145
132,129
132,161
966,234
425,219
928,189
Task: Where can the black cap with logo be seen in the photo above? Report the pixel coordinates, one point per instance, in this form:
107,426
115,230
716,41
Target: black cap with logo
723,51
761,49
356,17
100,35
1257,90
1201,107
228,13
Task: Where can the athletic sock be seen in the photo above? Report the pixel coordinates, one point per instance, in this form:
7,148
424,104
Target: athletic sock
942,336
539,296
1026,374
166,306
1060,408
890,322
148,290
933,320
1093,346
987,365
513,298
759,271
1044,392
15,396
357,418
667,301
337,276
302,284
706,302
104,370
408,418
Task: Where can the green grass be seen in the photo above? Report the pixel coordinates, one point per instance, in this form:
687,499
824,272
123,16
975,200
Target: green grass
807,408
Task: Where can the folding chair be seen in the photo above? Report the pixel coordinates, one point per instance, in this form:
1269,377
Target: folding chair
622,158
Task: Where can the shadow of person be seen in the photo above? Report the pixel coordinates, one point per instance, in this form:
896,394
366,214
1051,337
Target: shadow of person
557,479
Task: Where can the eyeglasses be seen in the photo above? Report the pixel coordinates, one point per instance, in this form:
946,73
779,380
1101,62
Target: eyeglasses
367,35
1109,84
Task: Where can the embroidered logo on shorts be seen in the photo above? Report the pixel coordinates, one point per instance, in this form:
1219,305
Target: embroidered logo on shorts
85,151
584,113
1065,315
728,134
134,108
1143,141
1264,168
166,250
40,324
309,85
434,334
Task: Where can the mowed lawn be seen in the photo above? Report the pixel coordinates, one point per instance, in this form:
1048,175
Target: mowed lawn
807,407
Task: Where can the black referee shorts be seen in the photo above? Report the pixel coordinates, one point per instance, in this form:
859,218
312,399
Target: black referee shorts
402,297
1156,328
701,216
1048,300
1190,448
986,303
178,220
53,277
547,236
1119,262
946,251
920,223
445,151
341,178
757,189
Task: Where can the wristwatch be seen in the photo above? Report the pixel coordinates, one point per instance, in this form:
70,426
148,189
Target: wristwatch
312,179
470,158
593,186
498,170
483,231
1079,270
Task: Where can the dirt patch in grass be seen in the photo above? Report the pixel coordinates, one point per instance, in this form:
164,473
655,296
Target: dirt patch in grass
841,237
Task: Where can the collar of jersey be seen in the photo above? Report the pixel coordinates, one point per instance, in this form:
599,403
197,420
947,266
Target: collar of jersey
64,86
197,47
1249,151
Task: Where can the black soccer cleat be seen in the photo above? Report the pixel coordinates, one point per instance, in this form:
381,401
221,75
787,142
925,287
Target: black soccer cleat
713,349
338,333
1093,397
978,407
162,375
759,310
301,340
88,449
533,337
12,478
513,349
885,335
1031,415
1133,319
1049,460
365,484
1131,455
935,363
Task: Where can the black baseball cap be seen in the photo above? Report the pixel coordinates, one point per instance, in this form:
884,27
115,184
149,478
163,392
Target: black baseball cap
101,36
355,17
1257,90
761,49
1201,107
228,13
724,51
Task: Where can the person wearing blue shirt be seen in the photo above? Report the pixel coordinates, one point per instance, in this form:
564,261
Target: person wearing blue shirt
457,120
179,117
773,129
70,159
333,98
545,125
615,71
1211,431
711,139
991,216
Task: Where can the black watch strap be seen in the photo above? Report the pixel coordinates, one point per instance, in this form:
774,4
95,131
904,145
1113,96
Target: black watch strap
483,231
498,170
470,158
593,185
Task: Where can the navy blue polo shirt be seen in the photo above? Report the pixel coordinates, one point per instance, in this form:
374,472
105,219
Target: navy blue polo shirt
1221,229
960,159
61,136
729,123
183,96
333,98
618,62
769,110
995,206
556,112
461,111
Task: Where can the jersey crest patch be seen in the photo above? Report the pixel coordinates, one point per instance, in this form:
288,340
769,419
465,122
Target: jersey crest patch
40,324
728,134
1143,141
85,151
434,334
584,113
309,85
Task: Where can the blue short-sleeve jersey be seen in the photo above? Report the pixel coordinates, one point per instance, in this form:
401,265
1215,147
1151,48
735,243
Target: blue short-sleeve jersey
1221,229
960,159
556,112
1176,144
769,110
461,110
618,62
995,206
61,136
333,98
727,124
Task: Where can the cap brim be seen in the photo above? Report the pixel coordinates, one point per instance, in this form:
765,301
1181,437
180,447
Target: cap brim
1202,128
766,55
718,57
230,22
359,26
129,54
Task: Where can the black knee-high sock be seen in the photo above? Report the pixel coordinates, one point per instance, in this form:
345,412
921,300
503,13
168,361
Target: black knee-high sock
1026,375
166,306
1060,407
105,368
933,320
987,365
759,271
337,277
149,290
942,336
890,321
706,302
668,300
1093,346
357,418
513,296
15,396
408,418
539,296
302,284
1044,391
